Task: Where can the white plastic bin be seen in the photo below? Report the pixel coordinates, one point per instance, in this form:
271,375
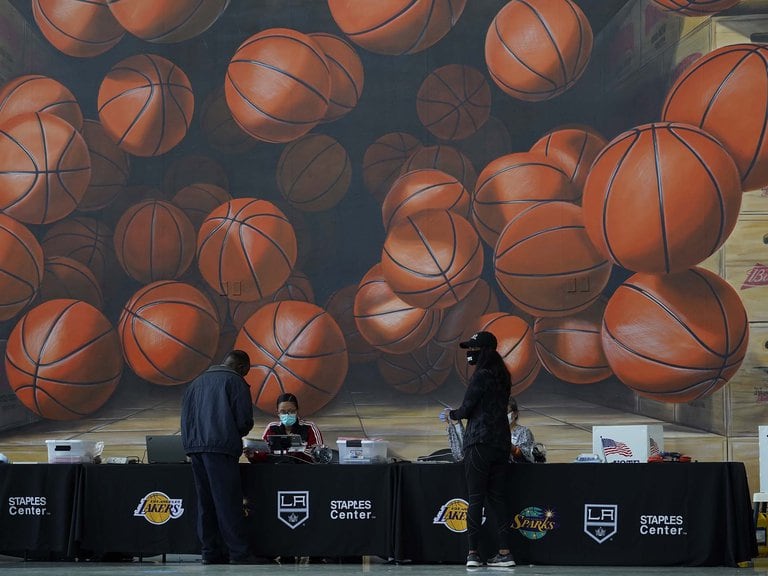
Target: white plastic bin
73,451
358,451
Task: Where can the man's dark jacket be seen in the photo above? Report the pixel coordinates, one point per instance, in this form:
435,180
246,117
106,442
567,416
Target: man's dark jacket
216,412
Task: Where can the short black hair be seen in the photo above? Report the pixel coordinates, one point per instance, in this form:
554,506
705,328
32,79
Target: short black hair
287,397
512,405
237,360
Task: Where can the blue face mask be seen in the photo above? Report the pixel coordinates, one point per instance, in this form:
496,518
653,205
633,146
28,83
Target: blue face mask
288,419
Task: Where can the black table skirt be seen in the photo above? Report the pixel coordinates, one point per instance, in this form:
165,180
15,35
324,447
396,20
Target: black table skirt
696,514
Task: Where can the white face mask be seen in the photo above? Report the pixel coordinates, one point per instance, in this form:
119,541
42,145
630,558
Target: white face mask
511,417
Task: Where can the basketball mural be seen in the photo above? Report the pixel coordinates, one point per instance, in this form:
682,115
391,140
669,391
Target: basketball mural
346,190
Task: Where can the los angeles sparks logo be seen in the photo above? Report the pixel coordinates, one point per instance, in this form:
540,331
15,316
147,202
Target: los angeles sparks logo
158,508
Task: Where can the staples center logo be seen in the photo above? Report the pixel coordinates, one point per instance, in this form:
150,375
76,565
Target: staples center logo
601,521
157,508
293,507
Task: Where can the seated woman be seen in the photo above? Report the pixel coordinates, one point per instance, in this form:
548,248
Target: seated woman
290,423
522,437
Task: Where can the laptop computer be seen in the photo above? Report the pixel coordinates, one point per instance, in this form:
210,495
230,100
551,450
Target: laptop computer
165,449
285,443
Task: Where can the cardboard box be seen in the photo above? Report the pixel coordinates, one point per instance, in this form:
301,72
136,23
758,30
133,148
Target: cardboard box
627,443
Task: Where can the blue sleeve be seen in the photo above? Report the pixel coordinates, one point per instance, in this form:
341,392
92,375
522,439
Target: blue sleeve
242,408
472,396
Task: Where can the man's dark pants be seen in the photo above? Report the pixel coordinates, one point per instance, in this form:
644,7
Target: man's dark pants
220,518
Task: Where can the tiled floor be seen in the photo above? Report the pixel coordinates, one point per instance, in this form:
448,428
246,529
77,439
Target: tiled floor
372,566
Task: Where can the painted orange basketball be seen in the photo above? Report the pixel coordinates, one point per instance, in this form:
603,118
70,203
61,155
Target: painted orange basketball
297,287
420,190
246,249
154,240
695,7
724,93
83,239
573,150
21,267
63,359
515,345
341,306
347,75
294,347
219,301
388,323
67,278
512,183
220,129
432,259
167,21
110,168
198,200
383,160
661,198
453,101
193,169
131,194
314,172
169,332
538,49
45,168
481,300
445,158
145,104
419,372
36,93
80,28
675,338
571,347
545,263
396,27
278,85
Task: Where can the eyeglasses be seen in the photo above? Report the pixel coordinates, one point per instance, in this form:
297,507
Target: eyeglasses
281,412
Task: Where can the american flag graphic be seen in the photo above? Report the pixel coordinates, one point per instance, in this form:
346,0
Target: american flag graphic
654,448
613,447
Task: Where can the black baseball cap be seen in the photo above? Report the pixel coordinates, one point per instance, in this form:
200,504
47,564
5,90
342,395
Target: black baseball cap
480,340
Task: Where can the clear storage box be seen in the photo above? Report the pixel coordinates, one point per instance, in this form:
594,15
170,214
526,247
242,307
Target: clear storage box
73,451
357,451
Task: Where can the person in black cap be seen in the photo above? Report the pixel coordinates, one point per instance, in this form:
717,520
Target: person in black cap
486,443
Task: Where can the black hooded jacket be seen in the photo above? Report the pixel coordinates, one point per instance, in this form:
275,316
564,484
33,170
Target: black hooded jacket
485,409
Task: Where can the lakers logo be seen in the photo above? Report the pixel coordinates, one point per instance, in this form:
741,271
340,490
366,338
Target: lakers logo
453,515
158,508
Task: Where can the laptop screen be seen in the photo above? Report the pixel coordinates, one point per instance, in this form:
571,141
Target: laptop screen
165,449
285,442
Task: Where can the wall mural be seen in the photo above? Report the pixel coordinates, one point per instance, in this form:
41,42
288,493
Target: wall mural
346,189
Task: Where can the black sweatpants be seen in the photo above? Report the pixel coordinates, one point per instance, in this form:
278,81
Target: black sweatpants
485,481
220,517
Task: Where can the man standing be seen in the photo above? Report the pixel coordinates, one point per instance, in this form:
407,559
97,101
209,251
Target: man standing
216,413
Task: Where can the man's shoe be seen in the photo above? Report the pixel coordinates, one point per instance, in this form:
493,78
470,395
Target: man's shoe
502,561
473,560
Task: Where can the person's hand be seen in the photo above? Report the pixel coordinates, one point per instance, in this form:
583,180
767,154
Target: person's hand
516,452
445,415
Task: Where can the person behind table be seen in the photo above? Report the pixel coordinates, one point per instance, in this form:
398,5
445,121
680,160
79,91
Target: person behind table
520,436
486,444
216,413
290,423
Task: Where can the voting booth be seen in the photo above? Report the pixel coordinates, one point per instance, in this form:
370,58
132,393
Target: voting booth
634,443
